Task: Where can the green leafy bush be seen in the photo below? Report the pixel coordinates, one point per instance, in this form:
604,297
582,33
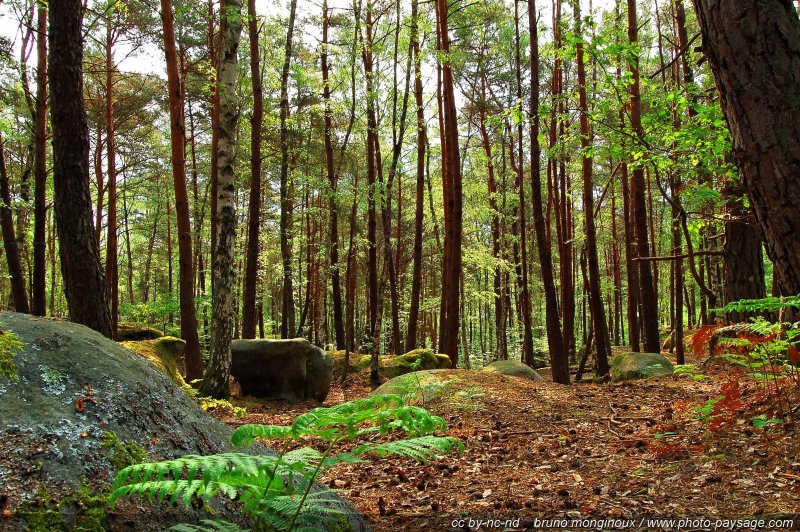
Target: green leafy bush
279,490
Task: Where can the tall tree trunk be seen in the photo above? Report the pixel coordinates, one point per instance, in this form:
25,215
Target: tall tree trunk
51,251
454,201
565,212
18,291
288,315
555,339
527,327
112,262
631,266
126,218
446,248
419,213
601,336
333,209
754,52
38,296
675,186
215,380
214,170
499,317
744,263
254,214
84,281
373,159
648,295
194,369
398,134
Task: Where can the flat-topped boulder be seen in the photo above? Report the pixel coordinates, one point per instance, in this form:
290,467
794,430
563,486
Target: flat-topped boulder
419,386
127,331
513,368
418,359
292,369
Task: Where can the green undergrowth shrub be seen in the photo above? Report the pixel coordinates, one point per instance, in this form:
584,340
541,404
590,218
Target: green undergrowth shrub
279,491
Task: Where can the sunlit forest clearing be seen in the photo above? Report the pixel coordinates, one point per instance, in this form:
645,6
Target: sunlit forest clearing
362,264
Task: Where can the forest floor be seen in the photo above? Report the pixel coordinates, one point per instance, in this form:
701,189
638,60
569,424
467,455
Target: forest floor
538,450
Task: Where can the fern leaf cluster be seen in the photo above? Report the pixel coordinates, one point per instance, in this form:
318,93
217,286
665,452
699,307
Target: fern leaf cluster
767,304
280,490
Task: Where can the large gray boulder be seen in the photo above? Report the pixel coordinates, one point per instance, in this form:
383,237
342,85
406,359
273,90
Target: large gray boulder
627,366
73,390
293,369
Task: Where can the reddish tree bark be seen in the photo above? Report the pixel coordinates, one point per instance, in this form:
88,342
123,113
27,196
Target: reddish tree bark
525,295
112,263
744,263
193,363
555,339
18,291
754,52
254,212
601,337
648,295
333,206
419,212
454,200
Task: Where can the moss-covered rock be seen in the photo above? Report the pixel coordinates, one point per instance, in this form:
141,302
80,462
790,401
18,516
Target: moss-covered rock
365,360
513,368
418,386
627,366
132,332
165,352
357,361
418,359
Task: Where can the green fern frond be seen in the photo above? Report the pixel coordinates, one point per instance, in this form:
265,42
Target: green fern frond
411,419
279,490
319,506
244,435
421,449
767,304
330,422
158,479
209,525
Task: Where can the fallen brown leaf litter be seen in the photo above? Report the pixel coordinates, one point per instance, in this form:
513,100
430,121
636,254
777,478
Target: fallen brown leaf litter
538,450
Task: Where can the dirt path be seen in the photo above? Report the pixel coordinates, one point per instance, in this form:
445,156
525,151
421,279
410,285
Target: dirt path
537,450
